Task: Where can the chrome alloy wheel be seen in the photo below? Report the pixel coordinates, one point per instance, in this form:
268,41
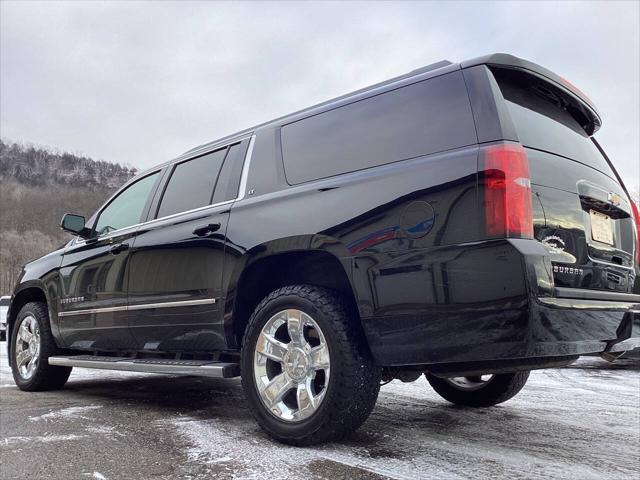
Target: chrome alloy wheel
469,383
27,349
291,365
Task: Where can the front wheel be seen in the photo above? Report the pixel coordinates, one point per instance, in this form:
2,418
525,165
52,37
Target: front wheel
31,346
306,369
481,390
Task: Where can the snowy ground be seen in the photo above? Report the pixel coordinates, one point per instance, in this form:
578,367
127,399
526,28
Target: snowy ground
580,422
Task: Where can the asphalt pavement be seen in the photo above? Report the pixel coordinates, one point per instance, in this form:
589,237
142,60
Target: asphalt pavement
580,422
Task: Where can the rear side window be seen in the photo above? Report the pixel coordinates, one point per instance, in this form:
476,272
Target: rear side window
546,120
229,180
426,117
191,184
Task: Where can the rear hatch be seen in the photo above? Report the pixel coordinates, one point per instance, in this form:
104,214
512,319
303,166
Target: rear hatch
581,212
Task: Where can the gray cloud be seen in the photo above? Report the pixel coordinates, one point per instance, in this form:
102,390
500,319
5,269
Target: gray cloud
140,82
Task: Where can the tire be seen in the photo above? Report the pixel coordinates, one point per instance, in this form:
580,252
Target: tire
499,388
348,386
43,376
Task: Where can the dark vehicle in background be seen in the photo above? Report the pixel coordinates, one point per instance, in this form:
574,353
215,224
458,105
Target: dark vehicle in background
5,300
459,221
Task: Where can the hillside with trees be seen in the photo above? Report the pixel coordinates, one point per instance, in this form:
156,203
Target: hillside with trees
37,187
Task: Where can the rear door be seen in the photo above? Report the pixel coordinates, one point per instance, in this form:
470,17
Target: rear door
581,212
177,259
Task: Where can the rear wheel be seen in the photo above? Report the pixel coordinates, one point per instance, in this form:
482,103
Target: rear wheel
480,390
31,346
306,369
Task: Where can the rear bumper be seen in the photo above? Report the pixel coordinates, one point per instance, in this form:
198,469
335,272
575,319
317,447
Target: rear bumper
532,320
546,329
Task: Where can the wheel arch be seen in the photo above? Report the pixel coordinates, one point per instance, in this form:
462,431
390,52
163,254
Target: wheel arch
265,268
31,292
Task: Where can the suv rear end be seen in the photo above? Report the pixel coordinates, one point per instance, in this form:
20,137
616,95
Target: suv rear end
545,178
550,272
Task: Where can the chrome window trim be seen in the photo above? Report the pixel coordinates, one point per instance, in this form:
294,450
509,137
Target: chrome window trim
124,308
173,215
241,194
242,190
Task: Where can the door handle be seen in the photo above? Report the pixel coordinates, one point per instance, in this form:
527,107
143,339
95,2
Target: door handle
116,249
205,230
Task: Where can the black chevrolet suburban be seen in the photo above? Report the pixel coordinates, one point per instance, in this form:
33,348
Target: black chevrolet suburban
459,221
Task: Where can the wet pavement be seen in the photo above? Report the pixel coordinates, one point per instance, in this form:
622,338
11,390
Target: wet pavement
577,422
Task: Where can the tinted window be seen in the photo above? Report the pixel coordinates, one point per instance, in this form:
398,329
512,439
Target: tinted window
229,180
545,118
565,138
191,184
127,208
422,118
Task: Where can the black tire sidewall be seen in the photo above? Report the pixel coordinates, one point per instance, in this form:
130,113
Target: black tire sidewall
27,310
315,422
46,377
499,389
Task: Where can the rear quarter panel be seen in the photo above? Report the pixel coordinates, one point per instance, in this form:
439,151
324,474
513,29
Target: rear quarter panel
367,219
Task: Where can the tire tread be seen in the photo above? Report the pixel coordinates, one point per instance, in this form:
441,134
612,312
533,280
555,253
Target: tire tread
357,381
46,377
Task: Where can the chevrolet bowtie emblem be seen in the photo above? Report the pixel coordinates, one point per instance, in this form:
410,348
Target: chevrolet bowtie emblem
614,198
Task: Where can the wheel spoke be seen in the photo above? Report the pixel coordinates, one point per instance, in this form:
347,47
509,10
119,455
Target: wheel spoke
276,389
320,357
306,401
270,347
23,357
295,327
33,362
24,334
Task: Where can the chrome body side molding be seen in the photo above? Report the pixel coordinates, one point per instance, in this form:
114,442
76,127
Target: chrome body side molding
183,303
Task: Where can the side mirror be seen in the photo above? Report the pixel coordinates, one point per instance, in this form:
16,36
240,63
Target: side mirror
74,224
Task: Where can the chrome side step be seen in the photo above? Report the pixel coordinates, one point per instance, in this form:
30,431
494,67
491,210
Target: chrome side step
202,368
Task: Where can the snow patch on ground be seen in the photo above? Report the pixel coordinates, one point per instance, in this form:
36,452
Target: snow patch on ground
105,430
42,438
255,456
96,475
67,413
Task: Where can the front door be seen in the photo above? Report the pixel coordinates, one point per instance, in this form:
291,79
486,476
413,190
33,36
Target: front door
92,314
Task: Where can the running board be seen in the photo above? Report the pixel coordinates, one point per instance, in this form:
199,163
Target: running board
202,368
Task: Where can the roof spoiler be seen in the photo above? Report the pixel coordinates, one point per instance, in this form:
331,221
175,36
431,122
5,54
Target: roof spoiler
504,60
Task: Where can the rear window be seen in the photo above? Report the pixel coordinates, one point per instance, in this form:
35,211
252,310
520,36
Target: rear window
545,119
422,118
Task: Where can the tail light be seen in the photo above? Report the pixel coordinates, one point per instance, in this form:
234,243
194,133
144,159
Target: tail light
636,219
507,191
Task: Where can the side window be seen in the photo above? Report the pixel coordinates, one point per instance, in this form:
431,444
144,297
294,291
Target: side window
191,184
422,118
229,180
127,208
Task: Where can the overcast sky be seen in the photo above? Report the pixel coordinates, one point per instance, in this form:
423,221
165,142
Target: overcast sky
141,82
